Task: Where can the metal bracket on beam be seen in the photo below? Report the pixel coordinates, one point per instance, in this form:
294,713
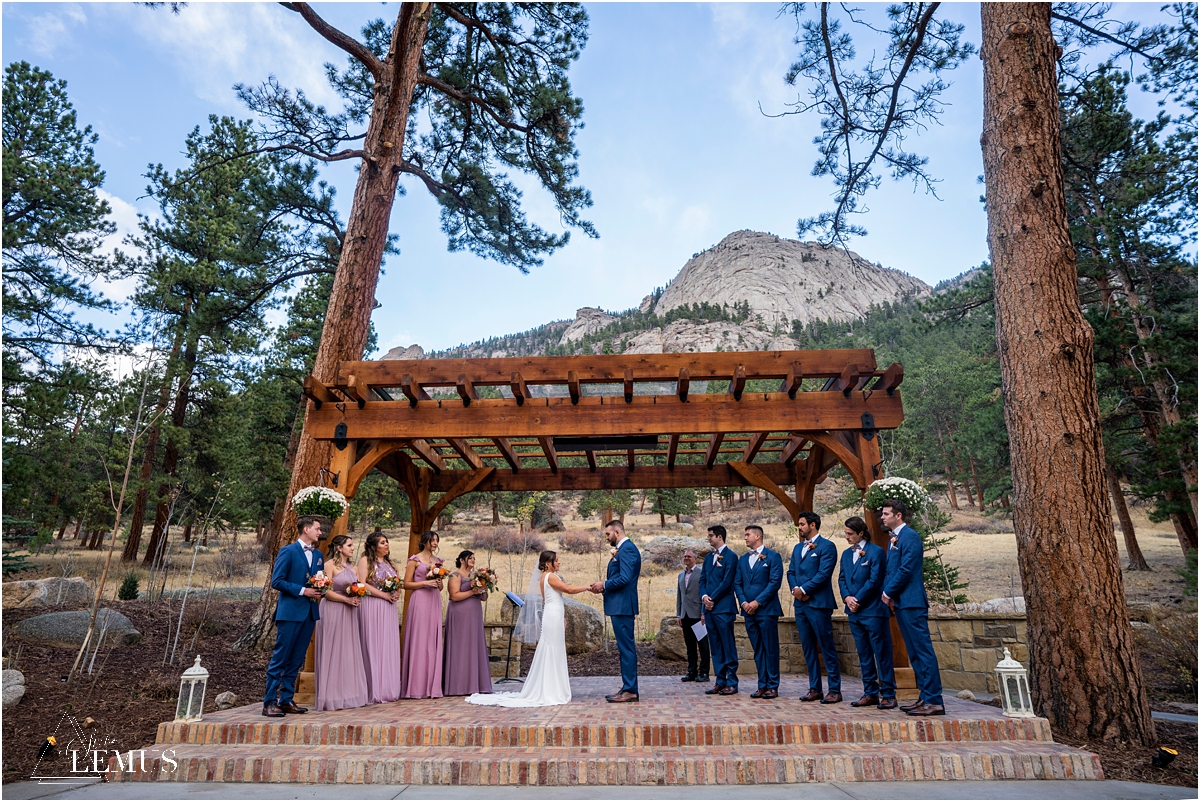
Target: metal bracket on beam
868,426
339,436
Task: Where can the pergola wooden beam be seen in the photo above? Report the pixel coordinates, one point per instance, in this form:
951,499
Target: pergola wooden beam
714,448
792,381
672,451
683,384
606,368
427,453
507,451
542,417
754,475
318,393
466,389
547,444
469,455
613,478
753,446
891,379
413,391
792,449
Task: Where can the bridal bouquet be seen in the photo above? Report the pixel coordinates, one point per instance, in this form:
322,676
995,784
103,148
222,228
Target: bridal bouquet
485,578
358,589
319,581
437,571
390,584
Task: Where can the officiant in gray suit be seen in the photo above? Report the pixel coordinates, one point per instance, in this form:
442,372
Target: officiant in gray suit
690,611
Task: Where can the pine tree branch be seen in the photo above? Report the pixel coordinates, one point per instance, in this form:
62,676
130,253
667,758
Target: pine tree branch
337,38
1130,46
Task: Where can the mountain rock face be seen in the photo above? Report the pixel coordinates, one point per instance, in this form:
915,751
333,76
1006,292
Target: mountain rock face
778,280
785,280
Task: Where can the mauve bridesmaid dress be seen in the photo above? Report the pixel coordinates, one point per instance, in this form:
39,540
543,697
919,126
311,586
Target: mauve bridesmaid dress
380,629
341,675
465,665
421,662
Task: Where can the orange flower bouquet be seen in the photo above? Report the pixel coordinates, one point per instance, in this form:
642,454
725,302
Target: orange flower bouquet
485,578
358,589
390,584
320,582
437,571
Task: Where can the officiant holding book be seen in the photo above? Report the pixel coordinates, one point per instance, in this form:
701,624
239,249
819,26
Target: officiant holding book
690,611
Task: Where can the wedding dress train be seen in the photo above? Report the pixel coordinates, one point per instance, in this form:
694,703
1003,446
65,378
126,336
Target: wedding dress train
548,682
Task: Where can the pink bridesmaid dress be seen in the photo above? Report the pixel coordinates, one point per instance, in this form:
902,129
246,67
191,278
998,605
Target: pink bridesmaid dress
380,629
340,672
421,663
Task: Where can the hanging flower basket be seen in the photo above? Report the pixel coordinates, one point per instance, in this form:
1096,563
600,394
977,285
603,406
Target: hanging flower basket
899,488
322,503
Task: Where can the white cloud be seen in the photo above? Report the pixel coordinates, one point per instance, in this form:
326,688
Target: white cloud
216,45
50,31
125,215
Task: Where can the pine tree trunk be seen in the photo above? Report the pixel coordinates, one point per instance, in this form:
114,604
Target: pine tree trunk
1136,561
162,510
978,486
348,316
495,512
1070,570
950,485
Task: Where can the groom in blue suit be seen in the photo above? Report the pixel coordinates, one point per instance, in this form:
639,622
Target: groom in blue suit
621,605
759,576
295,616
810,577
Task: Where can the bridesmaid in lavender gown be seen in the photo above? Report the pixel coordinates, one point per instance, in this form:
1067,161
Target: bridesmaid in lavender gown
465,666
340,673
421,663
378,622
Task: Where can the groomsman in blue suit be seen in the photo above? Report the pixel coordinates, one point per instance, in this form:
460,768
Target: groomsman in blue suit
810,576
621,605
720,605
861,583
295,616
904,593
759,576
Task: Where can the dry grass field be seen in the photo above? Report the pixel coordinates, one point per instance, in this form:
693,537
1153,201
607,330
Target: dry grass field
984,548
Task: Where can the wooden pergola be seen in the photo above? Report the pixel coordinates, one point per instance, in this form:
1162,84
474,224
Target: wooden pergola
614,421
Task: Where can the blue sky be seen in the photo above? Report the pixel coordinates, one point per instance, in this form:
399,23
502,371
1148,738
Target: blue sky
675,149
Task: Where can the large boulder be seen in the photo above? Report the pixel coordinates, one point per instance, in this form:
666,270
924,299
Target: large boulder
668,550
585,625
547,519
67,630
46,592
1005,604
669,643
12,687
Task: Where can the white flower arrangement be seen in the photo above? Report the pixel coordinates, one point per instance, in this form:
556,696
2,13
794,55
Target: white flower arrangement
319,501
899,488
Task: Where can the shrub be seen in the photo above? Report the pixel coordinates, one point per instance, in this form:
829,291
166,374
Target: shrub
1176,651
504,540
129,587
577,542
39,541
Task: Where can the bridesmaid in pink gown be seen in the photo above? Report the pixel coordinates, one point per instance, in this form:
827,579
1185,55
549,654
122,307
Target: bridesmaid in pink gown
378,622
421,663
340,673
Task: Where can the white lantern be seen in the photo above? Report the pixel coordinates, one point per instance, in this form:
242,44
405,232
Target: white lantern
1014,687
191,693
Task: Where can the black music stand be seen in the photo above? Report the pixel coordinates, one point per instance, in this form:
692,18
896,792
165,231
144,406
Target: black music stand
518,603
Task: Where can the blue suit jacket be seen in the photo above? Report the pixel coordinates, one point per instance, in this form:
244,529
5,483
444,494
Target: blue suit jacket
620,589
864,581
716,581
814,573
904,581
760,583
289,576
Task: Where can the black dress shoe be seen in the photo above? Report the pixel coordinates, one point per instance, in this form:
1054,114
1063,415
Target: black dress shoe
292,708
272,710
702,678
714,690
688,678
758,694
887,704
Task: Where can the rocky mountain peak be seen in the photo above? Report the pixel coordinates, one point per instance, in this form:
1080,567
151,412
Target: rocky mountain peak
784,280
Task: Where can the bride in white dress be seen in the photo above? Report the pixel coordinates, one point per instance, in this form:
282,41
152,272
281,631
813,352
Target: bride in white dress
548,682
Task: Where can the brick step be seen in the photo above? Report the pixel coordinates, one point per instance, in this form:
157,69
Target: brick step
740,765
874,729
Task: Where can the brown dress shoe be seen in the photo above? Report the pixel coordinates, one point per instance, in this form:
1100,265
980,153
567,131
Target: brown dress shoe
887,704
831,698
290,707
714,690
623,696
866,700
272,710
770,693
727,691
927,710
758,694
812,696
911,705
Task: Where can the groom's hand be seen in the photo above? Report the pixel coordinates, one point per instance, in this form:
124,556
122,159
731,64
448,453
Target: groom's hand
596,587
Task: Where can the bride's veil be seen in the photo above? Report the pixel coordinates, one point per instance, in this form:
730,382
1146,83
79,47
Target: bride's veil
529,620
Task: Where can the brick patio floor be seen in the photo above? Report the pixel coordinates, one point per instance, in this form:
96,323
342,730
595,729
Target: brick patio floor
675,735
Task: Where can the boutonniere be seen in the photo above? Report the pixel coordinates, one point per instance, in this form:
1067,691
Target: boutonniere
613,551
894,541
